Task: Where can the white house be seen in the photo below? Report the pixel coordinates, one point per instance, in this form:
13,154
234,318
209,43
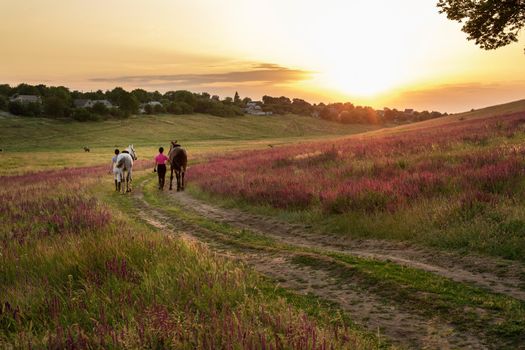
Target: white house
253,108
24,99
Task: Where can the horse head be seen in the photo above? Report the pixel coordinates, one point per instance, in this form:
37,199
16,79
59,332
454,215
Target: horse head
173,144
132,152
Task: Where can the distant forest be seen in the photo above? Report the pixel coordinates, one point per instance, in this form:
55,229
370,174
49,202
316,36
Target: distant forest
60,102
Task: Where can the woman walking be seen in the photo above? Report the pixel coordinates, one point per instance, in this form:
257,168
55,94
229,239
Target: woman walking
160,167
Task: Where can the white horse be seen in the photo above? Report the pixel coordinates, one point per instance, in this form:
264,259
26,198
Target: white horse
125,165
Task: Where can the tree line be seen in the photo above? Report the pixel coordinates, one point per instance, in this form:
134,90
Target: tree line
346,113
59,102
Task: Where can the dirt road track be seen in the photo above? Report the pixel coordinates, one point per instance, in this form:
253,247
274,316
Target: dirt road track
496,275
403,325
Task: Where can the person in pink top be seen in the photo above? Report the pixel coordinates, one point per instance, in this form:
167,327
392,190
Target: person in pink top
160,167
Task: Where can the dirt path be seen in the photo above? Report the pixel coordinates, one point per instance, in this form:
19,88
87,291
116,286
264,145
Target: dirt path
402,325
496,275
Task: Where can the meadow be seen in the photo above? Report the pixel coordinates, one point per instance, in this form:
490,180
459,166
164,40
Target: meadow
458,185
59,143
83,267
77,273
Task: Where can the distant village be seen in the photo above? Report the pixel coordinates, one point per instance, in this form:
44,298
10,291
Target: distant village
60,102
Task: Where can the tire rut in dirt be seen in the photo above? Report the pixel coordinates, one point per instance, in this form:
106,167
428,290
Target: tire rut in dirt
496,275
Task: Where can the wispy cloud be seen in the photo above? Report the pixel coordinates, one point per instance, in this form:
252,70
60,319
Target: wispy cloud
460,97
259,74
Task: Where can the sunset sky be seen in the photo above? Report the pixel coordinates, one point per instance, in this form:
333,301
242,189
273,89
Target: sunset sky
401,53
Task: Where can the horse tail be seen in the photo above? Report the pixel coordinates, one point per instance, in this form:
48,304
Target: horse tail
120,163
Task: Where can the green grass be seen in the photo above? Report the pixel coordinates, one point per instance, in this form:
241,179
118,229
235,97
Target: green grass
59,143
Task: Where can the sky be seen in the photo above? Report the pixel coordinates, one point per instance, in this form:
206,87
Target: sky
382,53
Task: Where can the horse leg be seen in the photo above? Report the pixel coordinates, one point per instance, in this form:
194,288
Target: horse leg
171,178
128,181
182,180
123,183
177,173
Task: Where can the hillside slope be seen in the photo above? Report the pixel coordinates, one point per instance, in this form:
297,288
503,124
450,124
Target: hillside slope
60,143
452,183
492,111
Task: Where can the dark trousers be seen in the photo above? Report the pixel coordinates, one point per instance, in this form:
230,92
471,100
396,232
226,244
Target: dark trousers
161,171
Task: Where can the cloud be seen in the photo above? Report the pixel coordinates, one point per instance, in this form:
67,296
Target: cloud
259,74
460,97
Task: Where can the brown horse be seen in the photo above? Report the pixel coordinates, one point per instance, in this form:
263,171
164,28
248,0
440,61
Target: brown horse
178,162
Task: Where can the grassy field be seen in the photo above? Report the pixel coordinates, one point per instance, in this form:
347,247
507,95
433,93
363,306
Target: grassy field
83,267
457,185
420,297
60,143
78,272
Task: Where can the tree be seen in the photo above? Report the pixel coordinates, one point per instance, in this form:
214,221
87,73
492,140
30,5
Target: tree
159,108
185,108
60,92
114,95
141,95
181,96
3,103
26,89
16,108
100,109
31,109
236,98
491,24
246,100
5,90
148,109
55,107
128,103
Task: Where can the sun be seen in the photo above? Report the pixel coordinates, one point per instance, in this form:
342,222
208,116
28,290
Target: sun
362,77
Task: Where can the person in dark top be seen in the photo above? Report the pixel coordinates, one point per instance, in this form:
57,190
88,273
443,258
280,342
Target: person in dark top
115,170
